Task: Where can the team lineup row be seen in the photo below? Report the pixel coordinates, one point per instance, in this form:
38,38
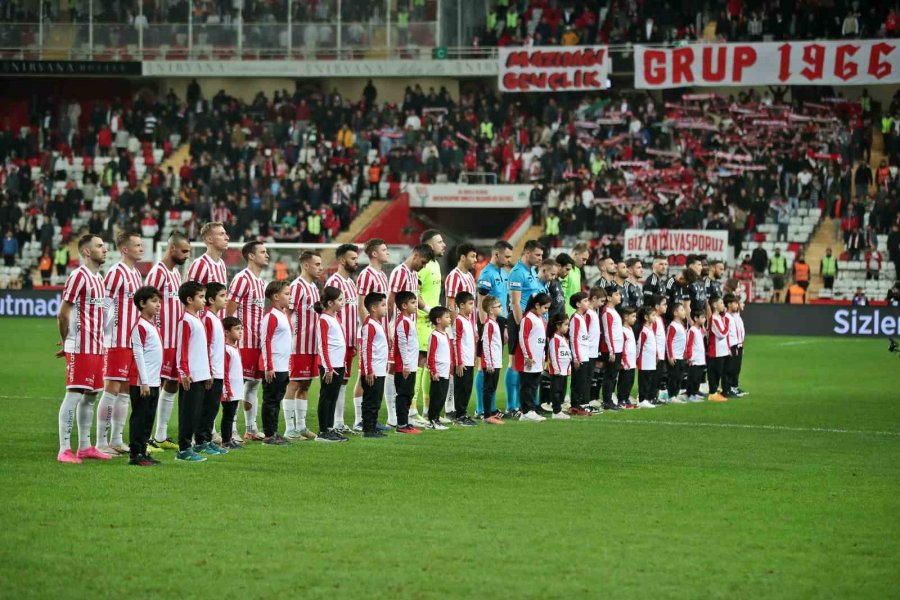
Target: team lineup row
146,343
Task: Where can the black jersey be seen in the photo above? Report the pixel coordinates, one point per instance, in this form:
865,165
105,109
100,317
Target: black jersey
654,285
713,289
633,296
696,292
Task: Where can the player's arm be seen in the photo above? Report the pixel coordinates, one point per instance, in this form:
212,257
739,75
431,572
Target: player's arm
62,322
515,299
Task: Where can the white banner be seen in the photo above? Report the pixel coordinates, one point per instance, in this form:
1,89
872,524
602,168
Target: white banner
450,195
668,242
553,68
320,68
851,62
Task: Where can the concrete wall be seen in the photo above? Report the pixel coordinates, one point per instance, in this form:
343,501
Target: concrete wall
389,89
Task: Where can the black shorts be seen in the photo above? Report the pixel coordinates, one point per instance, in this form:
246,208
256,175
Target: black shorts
778,282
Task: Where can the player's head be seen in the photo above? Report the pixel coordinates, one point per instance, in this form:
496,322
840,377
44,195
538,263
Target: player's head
635,268
92,249
377,251
376,304
566,263
660,265
435,240
549,269
621,270
192,294
214,236
311,264
503,252
607,266
178,249
465,303
255,253
347,256
716,268
233,327
130,246
214,290
538,303
439,315
466,256
580,301
421,256
147,300
580,253
407,302
533,253
278,293
694,263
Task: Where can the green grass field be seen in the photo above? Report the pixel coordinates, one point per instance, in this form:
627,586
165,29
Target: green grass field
793,491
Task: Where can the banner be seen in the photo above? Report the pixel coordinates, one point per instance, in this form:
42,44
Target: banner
450,195
553,68
30,303
471,67
69,68
856,62
667,242
820,319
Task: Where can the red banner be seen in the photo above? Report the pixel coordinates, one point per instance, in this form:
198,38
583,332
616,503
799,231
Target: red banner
851,62
553,68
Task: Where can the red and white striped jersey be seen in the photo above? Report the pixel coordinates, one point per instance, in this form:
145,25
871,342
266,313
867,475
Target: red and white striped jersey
736,331
121,282
371,280
87,295
580,337
215,338
147,352
532,343
275,334
693,348
456,282
717,344
440,355
675,340
560,356
592,320
234,375
348,316
192,357
491,345
464,341
403,279
373,349
659,328
332,345
249,292
206,269
629,351
646,349
612,331
405,349
167,282
305,319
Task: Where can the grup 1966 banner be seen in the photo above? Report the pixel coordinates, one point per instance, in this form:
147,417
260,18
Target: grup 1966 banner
851,62
669,242
553,68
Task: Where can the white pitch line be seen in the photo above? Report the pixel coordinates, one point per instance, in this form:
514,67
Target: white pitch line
748,426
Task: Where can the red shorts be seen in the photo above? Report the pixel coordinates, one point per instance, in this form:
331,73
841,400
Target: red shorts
118,364
348,362
84,371
304,367
168,370
250,361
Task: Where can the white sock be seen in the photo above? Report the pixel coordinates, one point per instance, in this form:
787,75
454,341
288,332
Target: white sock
339,407
390,399
300,415
252,398
67,419
163,414
357,410
289,407
119,416
85,418
104,418
449,405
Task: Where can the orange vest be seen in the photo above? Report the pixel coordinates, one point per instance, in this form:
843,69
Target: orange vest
46,263
280,271
801,271
796,294
375,173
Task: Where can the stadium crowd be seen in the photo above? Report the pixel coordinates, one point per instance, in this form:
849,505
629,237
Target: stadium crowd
414,337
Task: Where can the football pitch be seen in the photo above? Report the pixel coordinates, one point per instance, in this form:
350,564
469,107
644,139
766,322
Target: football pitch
792,491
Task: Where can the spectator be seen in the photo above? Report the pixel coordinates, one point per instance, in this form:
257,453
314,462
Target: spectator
777,269
828,269
873,263
10,248
801,272
45,266
859,298
855,244
61,260
760,260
